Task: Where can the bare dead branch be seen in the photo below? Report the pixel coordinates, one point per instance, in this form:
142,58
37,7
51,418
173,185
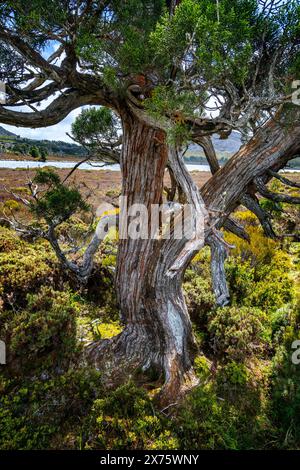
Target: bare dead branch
218,257
276,197
252,205
234,227
284,180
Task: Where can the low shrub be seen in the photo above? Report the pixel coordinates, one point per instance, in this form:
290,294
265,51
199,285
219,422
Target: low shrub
237,333
45,412
126,419
285,389
205,422
24,268
42,335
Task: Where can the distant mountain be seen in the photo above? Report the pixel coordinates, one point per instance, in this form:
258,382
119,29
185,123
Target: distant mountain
16,143
6,133
225,148
230,145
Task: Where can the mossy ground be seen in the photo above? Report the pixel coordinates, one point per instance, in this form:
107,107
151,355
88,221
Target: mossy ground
249,393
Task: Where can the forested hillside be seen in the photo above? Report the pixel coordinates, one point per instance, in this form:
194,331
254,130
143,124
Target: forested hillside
20,145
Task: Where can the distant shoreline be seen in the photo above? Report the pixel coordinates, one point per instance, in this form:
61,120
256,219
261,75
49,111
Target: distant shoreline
72,161
28,158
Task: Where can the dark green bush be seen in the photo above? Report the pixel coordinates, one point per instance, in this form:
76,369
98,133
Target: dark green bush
206,422
285,389
43,334
45,412
237,333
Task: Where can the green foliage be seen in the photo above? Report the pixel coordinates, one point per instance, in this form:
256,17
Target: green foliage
285,390
44,396
259,273
198,292
236,373
43,334
34,152
44,154
205,422
273,208
238,333
44,412
126,419
95,127
136,36
106,330
199,297
202,368
24,267
12,205
58,200
165,100
48,177
134,20
221,46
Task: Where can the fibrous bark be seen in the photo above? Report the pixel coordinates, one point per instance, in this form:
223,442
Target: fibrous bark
218,256
157,329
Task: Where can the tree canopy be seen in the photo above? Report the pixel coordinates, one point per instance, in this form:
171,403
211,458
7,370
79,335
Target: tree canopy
236,58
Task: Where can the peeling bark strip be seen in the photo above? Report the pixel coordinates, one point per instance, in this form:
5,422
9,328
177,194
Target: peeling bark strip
218,257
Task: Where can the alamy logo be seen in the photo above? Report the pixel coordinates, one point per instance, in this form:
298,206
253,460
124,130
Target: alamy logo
2,352
296,354
296,93
2,93
159,221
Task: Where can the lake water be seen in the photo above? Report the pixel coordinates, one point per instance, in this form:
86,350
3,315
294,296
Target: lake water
12,164
58,164
84,166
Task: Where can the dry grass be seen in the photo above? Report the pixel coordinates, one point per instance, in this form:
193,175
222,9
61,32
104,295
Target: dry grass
97,183
102,185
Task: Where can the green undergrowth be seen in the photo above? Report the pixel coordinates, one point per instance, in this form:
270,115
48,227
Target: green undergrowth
249,390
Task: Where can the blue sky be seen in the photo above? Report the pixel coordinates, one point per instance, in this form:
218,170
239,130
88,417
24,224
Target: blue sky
57,132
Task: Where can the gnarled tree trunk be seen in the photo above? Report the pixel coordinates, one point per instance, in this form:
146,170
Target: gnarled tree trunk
157,329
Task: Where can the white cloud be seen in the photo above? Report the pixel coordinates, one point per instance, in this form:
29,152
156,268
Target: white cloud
56,132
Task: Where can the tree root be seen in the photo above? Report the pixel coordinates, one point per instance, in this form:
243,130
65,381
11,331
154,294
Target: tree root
121,359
